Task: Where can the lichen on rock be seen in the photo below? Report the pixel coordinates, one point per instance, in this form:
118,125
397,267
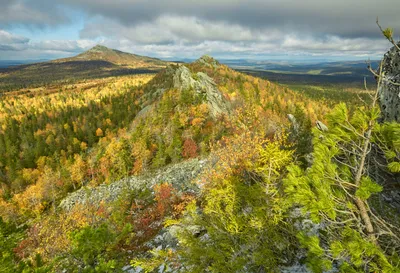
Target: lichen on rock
389,93
180,176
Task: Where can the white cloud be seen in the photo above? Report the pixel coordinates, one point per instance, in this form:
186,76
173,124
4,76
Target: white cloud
241,28
8,38
355,18
18,47
11,42
168,29
224,28
334,44
179,36
187,37
63,46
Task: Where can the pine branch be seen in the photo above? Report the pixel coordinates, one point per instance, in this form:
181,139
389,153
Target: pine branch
388,35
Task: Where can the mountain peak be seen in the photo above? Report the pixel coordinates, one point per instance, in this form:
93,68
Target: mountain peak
208,61
117,57
98,48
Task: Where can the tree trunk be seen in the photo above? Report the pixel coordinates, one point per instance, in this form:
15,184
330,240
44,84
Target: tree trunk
366,219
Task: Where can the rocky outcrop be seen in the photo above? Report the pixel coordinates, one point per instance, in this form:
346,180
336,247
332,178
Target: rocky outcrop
182,176
389,93
184,79
389,102
181,77
208,61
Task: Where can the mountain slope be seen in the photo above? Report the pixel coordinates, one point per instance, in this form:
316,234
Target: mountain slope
98,62
58,144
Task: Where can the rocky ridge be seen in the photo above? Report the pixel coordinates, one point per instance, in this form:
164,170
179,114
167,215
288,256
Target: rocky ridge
181,175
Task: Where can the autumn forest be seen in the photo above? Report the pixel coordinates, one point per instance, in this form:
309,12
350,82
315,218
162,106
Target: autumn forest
114,162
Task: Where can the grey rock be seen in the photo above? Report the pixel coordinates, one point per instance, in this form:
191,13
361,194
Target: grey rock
389,102
296,268
184,79
295,124
304,224
389,93
320,126
208,61
142,113
182,176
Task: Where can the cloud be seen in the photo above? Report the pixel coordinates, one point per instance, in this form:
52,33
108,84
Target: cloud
63,46
186,36
11,42
19,47
309,27
333,44
219,27
8,38
170,29
287,47
31,13
354,18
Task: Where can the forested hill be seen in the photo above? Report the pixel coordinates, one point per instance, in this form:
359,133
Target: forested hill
54,144
198,168
97,62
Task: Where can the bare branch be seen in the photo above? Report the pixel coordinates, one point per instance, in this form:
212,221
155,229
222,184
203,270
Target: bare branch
382,77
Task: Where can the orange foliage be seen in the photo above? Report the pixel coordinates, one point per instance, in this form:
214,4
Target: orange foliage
197,121
147,217
189,148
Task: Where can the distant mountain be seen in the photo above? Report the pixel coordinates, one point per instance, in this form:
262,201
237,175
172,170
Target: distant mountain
97,62
10,63
348,72
102,53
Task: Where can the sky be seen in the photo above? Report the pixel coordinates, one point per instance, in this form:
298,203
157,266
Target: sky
177,29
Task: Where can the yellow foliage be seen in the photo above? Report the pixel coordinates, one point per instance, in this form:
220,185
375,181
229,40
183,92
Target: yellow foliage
78,169
83,146
7,210
30,175
99,132
36,197
50,236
